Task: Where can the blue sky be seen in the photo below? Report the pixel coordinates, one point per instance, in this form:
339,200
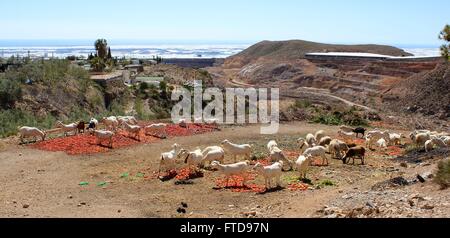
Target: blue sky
400,22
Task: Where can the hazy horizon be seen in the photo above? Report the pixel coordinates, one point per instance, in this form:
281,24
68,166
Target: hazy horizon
397,23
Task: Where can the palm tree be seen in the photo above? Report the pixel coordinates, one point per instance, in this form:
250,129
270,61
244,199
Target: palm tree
101,45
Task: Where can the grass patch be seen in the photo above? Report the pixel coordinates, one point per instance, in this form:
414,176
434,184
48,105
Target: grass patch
326,183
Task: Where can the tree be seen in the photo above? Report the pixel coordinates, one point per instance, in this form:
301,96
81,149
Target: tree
101,46
109,53
445,48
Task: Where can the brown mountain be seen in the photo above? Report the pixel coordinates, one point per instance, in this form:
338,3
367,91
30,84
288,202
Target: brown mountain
295,49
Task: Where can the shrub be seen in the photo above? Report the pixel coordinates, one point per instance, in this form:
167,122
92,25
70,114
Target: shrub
443,174
10,92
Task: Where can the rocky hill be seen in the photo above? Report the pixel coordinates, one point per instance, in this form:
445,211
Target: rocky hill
426,93
295,49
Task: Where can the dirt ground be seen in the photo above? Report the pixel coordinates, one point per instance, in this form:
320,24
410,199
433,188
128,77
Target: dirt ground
37,183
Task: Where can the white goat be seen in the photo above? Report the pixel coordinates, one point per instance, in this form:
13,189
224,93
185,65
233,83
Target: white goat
26,132
159,128
337,149
133,130
271,172
421,138
237,150
168,159
302,165
193,158
237,169
435,142
317,151
325,141
382,144
311,140
67,128
395,139
319,135
128,119
271,145
110,122
104,136
213,153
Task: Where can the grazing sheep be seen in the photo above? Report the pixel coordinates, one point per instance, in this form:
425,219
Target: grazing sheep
271,145
104,136
128,119
337,149
374,136
160,128
237,150
133,130
67,128
213,153
193,158
325,141
302,165
359,152
168,159
26,132
237,169
435,142
413,134
311,140
277,155
303,144
381,143
317,151
110,122
360,130
271,172
421,138
319,135
395,139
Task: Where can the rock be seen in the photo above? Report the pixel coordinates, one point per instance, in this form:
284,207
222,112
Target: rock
421,179
253,213
20,154
428,207
404,165
411,203
26,206
370,204
70,197
231,206
427,175
347,196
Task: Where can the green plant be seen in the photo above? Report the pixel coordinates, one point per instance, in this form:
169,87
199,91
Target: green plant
10,92
443,174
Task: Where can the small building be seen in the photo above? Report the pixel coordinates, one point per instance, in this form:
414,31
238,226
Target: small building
114,77
138,68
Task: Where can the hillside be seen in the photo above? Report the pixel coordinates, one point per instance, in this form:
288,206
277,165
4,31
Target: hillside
295,49
425,93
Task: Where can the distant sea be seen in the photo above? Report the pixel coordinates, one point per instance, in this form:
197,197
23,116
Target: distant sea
146,49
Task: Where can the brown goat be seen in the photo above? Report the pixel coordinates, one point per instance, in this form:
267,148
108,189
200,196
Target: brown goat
352,153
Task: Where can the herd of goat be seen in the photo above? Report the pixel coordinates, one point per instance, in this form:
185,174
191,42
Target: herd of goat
313,146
